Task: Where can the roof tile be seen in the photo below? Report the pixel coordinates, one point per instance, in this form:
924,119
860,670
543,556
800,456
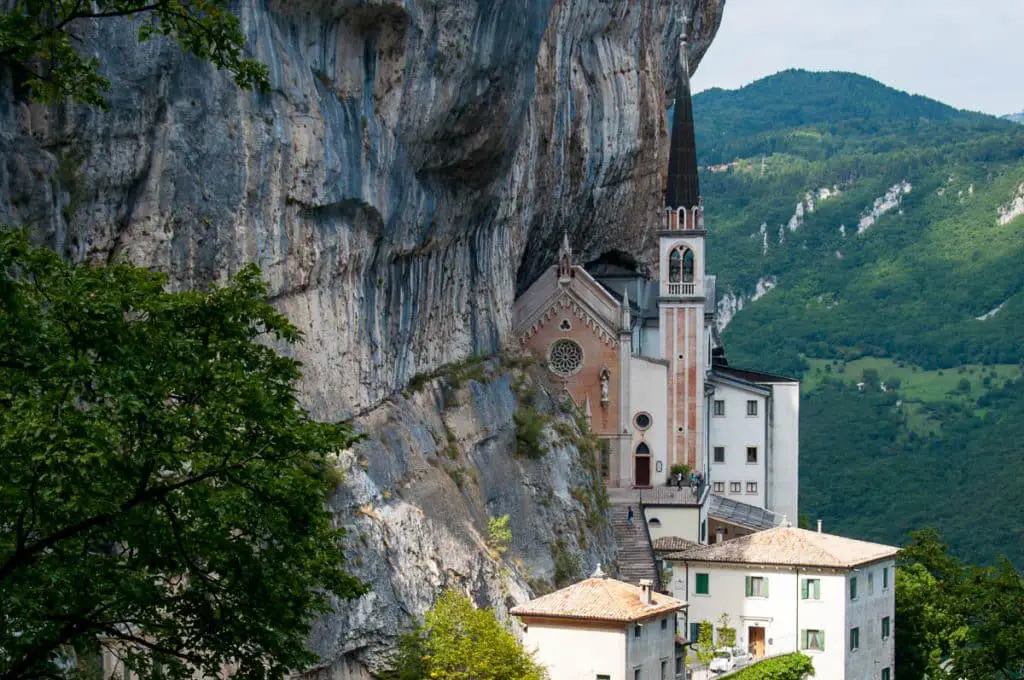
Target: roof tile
599,599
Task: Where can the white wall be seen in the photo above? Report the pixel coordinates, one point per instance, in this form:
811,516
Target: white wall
647,389
651,342
576,653
783,614
866,612
736,431
647,652
784,470
680,521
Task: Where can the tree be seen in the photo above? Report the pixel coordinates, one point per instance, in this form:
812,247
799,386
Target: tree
457,641
726,634
162,493
36,40
704,649
955,620
499,534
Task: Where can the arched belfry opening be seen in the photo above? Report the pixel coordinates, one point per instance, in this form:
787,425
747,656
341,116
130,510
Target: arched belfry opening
681,266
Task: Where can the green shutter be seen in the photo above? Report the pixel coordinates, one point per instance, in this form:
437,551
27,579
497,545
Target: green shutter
764,587
817,589
885,577
702,584
803,639
805,589
821,637
748,585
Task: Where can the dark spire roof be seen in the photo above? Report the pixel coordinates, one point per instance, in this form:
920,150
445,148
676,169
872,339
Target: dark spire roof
683,184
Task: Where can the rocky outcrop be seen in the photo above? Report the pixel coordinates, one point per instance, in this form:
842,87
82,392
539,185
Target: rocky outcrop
418,494
413,166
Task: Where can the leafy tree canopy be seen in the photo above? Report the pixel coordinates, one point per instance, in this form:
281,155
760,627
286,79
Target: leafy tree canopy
36,38
457,641
955,620
161,489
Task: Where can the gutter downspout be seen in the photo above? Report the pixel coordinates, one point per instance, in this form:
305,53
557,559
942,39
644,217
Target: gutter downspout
769,450
796,643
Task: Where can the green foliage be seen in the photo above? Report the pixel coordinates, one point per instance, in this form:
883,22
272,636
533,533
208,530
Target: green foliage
460,642
531,441
965,618
704,648
161,487
795,666
726,634
567,563
899,303
36,40
680,468
499,534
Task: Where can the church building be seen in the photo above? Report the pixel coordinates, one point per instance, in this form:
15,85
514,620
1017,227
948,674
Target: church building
640,357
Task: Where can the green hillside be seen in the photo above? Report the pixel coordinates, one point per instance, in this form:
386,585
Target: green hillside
927,293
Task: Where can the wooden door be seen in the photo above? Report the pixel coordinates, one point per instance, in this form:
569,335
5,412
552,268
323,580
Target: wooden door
643,471
756,637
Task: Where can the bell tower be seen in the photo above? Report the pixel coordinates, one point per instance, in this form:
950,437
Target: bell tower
681,293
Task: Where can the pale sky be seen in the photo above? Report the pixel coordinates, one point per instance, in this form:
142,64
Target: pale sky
966,53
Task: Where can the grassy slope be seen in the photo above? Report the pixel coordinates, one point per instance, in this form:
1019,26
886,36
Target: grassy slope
908,289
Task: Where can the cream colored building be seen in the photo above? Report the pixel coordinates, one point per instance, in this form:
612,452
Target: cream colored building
603,629
788,589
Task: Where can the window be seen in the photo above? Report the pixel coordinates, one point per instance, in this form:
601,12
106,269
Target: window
751,454
636,674
606,458
643,449
604,677
703,585
885,627
565,357
680,266
735,487
719,454
643,421
752,407
694,632
637,630
853,587
854,639
565,325
719,487
812,639
885,674
719,409
810,589
679,665
757,586
871,583
664,624
751,487
664,670
885,578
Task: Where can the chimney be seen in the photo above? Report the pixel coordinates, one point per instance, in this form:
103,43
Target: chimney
819,526
646,589
719,534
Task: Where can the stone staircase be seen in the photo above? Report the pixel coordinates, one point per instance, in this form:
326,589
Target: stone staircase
635,555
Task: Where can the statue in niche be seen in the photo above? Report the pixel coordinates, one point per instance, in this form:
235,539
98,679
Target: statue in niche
605,377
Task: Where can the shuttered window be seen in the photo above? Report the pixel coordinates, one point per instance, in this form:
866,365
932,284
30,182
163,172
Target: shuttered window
810,589
757,586
703,584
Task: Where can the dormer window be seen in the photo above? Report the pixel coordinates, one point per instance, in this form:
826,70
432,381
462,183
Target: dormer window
680,266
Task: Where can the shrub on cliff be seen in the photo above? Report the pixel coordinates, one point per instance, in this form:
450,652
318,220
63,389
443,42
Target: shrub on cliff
161,491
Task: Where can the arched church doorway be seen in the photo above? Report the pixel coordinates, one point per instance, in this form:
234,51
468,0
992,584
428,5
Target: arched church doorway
642,466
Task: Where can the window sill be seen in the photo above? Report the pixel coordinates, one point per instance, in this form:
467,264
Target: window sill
752,464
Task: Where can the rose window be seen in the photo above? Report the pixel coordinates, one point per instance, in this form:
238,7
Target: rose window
565,358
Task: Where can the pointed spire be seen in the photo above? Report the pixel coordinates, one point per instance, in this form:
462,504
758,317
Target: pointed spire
683,182
625,324
565,259
588,413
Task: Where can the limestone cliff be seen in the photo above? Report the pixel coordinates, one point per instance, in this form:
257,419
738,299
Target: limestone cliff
414,164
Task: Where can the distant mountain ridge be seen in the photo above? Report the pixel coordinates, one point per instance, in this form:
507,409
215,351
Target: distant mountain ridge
1015,117
848,219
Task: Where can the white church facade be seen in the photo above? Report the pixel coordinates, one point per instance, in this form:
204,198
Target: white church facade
639,355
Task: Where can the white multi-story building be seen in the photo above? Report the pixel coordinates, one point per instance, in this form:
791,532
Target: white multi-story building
603,629
788,589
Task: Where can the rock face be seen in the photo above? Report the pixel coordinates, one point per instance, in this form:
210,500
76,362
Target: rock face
414,165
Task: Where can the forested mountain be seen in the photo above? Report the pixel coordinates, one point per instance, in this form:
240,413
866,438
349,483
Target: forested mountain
874,237
1015,117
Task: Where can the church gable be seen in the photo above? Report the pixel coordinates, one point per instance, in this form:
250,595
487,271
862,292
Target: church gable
557,310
